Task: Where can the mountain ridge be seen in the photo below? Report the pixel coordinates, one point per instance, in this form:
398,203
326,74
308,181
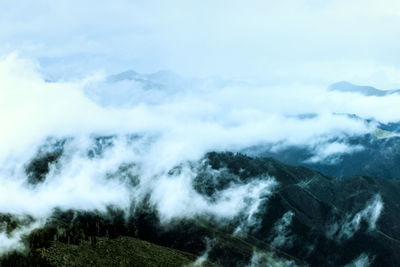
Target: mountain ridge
348,87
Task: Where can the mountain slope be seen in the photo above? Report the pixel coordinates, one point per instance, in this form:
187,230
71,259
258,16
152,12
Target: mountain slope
309,219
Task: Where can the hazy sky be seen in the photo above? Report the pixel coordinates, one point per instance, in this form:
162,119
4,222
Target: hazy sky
277,41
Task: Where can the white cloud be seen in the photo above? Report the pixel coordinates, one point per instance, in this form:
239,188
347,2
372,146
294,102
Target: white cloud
329,152
352,223
281,234
269,259
13,240
184,201
361,261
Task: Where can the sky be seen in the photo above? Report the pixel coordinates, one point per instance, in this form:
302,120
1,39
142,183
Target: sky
278,42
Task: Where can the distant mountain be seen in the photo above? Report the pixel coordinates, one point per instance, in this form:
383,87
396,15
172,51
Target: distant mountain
130,87
364,90
165,79
376,154
158,80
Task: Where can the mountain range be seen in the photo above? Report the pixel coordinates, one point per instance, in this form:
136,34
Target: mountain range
308,219
364,90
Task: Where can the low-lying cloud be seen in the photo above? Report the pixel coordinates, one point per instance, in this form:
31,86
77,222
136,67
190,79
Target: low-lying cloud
281,234
352,223
364,260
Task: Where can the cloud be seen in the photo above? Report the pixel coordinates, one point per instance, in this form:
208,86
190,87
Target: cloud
269,259
281,231
352,223
13,240
220,117
330,152
204,257
257,194
362,261
186,202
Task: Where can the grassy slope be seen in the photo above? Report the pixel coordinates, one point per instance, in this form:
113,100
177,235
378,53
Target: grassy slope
122,251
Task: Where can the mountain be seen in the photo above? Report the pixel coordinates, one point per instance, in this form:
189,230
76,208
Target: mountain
377,156
308,219
130,88
374,154
158,80
331,217
364,90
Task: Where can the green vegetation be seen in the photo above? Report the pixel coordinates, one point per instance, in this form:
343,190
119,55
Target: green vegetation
121,251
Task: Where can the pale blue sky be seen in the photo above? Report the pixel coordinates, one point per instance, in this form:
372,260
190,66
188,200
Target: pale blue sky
278,41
